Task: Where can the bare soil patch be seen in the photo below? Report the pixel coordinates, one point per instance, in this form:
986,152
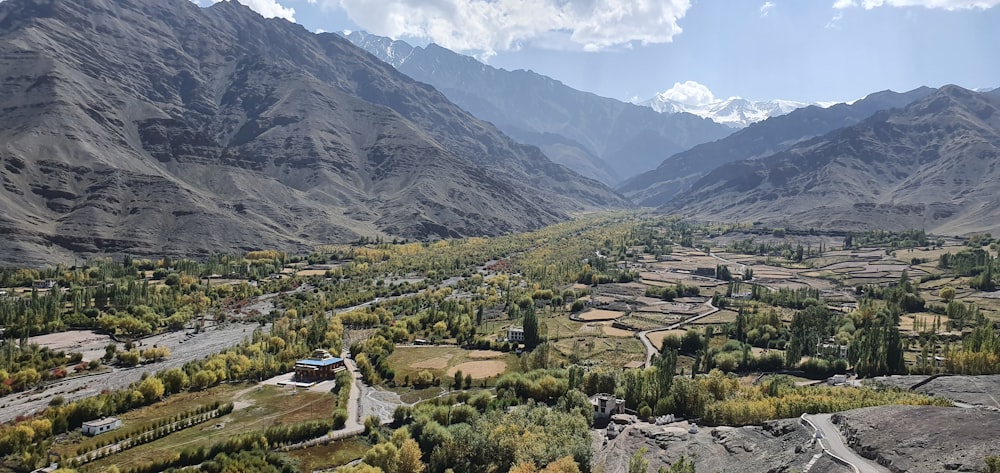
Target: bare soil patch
484,354
479,369
89,342
600,314
616,332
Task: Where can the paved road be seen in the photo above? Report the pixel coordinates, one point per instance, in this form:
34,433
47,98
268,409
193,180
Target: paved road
834,442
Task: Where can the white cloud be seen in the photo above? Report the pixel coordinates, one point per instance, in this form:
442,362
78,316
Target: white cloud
834,23
488,26
688,93
266,8
766,8
938,4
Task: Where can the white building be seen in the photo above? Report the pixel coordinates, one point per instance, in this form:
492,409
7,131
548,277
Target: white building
607,405
515,334
100,426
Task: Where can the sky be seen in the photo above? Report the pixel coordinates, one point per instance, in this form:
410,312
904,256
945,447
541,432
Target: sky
694,51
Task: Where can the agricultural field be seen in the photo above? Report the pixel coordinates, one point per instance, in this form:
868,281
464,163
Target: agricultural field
444,361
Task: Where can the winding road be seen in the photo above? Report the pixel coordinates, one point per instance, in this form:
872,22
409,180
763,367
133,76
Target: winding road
833,443
644,335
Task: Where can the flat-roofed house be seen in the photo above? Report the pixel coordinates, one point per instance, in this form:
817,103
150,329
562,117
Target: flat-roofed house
100,426
318,367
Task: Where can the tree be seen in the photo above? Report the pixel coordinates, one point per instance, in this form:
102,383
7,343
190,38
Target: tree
530,328
151,389
562,465
174,380
468,381
947,293
128,358
682,465
384,456
408,459
457,383
992,465
638,462
691,342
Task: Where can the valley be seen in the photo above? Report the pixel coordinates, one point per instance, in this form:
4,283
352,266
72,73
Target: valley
234,241
729,306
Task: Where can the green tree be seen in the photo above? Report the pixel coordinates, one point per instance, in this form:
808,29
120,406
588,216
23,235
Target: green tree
384,456
638,463
152,389
408,459
682,465
530,324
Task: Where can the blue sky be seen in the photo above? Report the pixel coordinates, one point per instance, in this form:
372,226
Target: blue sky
807,50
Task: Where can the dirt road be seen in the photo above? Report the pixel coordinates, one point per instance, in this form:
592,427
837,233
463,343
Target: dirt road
644,335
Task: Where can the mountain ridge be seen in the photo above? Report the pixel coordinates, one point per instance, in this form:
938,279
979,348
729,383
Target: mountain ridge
676,173
930,165
523,101
165,128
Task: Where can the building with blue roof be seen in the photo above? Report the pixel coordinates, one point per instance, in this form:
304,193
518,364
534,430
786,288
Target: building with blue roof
318,367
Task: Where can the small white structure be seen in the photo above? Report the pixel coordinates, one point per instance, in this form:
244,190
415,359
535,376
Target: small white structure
515,333
100,426
837,380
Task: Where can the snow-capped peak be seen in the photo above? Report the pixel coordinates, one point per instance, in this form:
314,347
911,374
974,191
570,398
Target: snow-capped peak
737,112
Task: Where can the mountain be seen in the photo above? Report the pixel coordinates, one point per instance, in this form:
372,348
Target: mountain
675,174
594,130
735,112
931,165
159,127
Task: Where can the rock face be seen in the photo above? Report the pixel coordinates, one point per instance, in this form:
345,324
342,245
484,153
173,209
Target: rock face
931,165
676,174
917,439
777,446
602,138
157,126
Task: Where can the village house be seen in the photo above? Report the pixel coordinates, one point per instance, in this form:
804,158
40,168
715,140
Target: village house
515,333
606,405
319,367
100,426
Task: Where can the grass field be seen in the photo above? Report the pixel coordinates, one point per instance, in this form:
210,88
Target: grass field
268,406
328,456
720,317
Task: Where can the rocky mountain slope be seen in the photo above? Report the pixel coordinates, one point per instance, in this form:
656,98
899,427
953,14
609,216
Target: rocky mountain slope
931,165
676,173
600,137
157,126
918,439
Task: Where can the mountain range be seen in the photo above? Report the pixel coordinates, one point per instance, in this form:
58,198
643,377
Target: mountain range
160,127
599,137
678,172
931,165
735,112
